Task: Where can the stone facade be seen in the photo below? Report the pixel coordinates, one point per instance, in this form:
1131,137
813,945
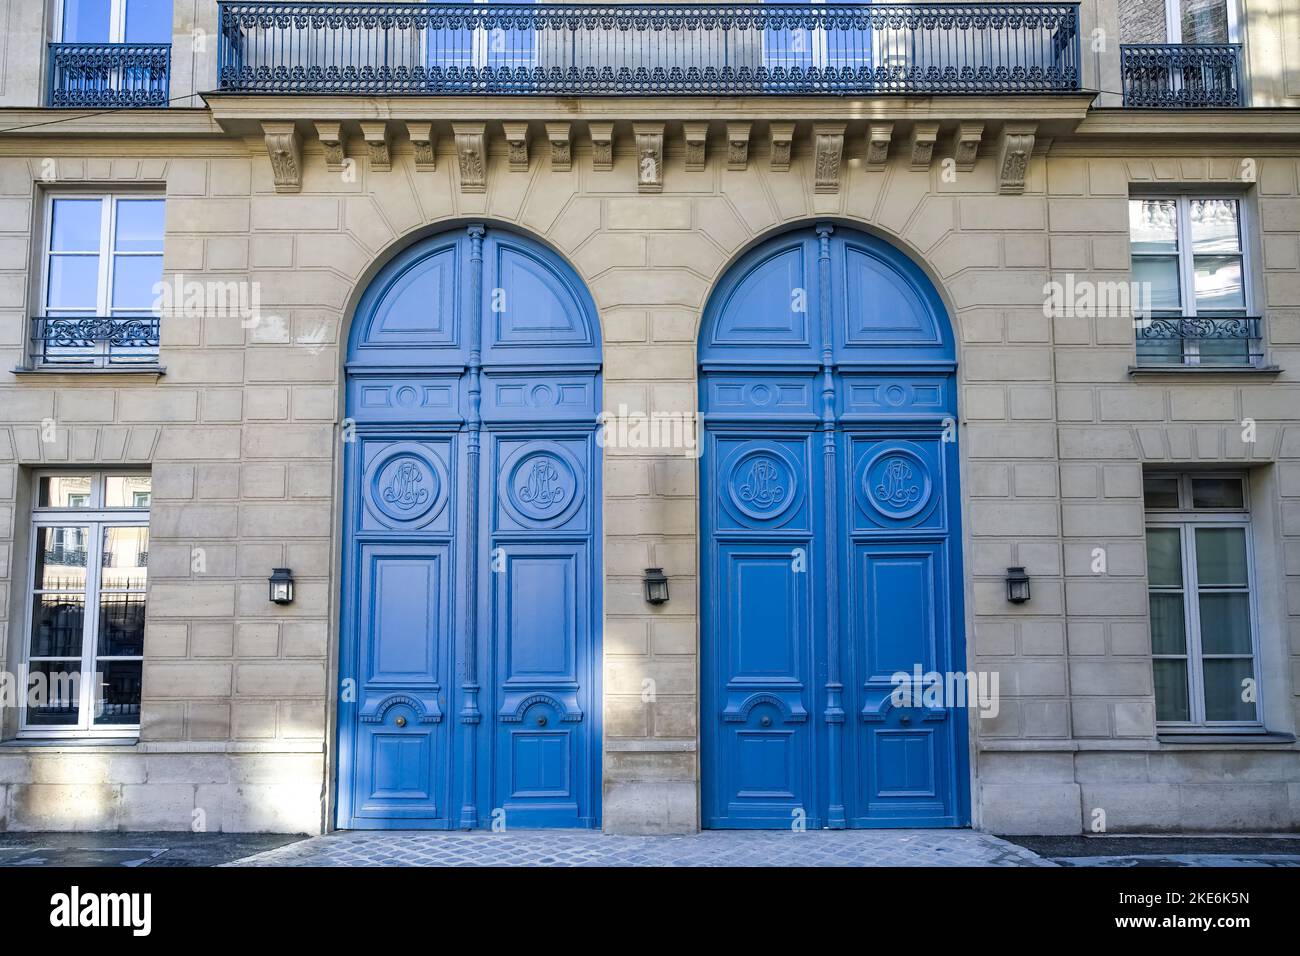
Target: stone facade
243,432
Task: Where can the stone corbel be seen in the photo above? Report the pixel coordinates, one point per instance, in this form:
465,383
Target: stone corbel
924,136
782,143
602,146
649,157
828,150
331,137
697,138
1014,149
285,152
738,145
517,142
967,145
376,136
471,154
561,137
425,143
878,138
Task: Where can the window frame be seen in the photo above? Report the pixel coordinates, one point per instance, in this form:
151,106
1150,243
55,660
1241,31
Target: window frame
1174,21
96,517
1186,257
1186,520
116,22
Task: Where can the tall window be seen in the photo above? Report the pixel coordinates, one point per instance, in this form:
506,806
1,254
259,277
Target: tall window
86,606
116,21
103,262
1189,264
1201,21
1200,579
507,46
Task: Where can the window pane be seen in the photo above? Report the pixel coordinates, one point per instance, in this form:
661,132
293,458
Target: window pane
75,225
1168,630
1225,683
1204,21
127,491
56,689
121,625
1160,352
1218,493
1225,623
149,21
1164,557
61,559
1158,276
135,279
119,693
1218,284
1153,225
1160,491
126,550
1214,225
139,225
1221,557
74,283
57,624
65,491
1172,702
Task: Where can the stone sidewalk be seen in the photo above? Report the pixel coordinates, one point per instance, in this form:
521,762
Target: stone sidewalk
709,848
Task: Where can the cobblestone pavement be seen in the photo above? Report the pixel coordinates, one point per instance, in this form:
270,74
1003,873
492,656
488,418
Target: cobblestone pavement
583,848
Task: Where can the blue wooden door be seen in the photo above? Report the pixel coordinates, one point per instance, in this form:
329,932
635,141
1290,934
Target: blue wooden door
469,660
830,556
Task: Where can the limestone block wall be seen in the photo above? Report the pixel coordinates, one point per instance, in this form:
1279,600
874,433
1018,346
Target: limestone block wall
243,434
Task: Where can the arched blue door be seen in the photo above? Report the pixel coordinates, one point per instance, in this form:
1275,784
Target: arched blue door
470,645
830,543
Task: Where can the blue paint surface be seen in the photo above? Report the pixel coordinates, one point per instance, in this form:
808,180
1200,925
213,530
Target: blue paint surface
830,540
470,632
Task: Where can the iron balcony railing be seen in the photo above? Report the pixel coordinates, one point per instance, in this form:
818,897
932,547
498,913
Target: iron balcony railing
670,49
1181,75
109,75
94,341
1213,341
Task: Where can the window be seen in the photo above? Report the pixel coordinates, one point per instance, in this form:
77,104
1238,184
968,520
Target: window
1201,21
1200,577
512,47
116,21
86,605
103,265
1189,264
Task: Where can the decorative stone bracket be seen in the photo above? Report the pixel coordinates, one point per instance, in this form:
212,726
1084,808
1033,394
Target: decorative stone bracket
828,147
561,137
649,157
285,151
1014,150
471,154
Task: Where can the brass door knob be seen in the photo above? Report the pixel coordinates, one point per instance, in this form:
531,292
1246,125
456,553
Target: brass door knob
541,721
401,721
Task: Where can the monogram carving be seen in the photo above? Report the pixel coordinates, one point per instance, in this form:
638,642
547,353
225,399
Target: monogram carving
897,487
542,487
403,491
897,484
405,487
764,487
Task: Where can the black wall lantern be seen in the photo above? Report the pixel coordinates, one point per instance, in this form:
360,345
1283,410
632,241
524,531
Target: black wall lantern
281,582
656,586
1017,585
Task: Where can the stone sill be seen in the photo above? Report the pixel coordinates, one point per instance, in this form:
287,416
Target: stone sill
107,745
641,745
1158,373
141,375
1163,742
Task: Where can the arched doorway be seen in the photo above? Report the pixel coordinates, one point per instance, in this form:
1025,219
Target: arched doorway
830,539
469,651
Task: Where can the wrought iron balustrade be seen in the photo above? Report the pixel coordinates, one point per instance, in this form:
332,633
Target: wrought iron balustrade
647,49
109,75
1181,75
1199,341
94,341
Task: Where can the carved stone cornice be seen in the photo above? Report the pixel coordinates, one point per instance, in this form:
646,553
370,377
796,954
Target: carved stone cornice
517,144
878,139
738,145
376,136
828,150
966,146
561,138
782,142
425,142
1015,147
649,157
602,146
331,138
697,142
285,152
471,156
924,136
